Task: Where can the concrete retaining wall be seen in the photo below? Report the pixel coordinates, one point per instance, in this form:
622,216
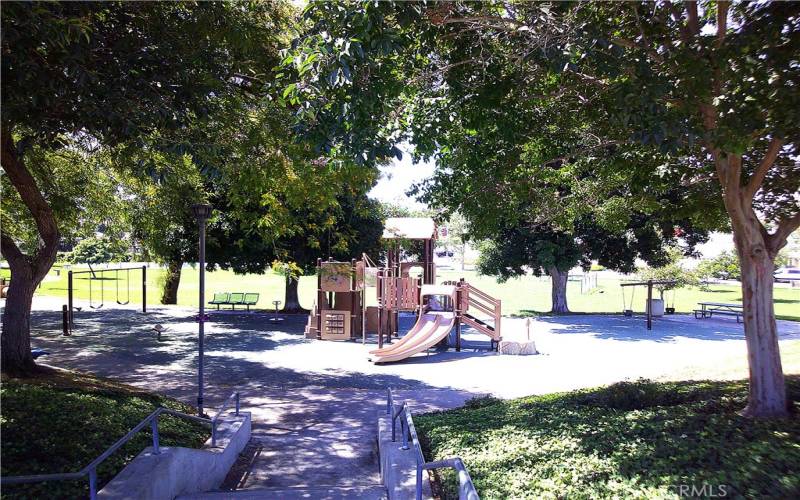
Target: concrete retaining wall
398,467
176,471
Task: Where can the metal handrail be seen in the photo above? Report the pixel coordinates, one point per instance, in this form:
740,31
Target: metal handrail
91,469
466,488
215,418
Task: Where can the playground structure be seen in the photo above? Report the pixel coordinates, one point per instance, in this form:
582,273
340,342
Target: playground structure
99,275
340,311
650,312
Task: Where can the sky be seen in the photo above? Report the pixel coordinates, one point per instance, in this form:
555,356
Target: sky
398,177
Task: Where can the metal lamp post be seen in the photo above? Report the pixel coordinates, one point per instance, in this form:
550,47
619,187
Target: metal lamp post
201,212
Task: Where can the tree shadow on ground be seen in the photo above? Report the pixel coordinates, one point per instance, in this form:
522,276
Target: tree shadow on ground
665,329
120,343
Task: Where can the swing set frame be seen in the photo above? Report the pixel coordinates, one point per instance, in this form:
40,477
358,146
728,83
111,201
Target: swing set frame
649,284
94,276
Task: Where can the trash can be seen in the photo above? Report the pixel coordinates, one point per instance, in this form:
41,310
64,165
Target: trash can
657,307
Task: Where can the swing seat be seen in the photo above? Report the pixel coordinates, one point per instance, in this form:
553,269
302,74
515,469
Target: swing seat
627,312
127,287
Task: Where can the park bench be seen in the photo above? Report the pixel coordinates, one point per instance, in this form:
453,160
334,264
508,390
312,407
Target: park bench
234,299
220,299
250,299
709,309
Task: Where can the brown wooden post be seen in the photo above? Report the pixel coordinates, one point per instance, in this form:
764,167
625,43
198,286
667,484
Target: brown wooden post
649,304
457,310
380,283
65,319
353,294
69,299
144,289
319,290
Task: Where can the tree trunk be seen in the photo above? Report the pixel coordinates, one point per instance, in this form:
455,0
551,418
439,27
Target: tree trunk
173,279
26,271
757,249
558,280
292,302
767,389
16,337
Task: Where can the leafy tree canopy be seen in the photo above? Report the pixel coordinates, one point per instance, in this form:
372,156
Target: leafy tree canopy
711,86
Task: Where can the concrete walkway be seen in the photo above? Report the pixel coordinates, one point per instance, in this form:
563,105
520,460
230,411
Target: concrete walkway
314,403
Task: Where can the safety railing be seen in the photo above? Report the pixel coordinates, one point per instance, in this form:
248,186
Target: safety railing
215,418
402,412
90,471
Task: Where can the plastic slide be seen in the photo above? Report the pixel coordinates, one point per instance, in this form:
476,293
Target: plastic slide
422,322
428,331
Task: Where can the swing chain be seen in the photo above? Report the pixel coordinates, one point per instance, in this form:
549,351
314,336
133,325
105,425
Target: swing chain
102,290
127,286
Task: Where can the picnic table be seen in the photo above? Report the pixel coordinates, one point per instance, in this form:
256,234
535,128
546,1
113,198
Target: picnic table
709,309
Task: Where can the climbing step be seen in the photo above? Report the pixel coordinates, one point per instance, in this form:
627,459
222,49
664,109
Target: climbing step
296,493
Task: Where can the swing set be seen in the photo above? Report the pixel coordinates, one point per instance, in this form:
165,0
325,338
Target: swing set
627,306
99,275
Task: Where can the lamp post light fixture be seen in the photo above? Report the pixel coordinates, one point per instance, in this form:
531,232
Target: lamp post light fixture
201,212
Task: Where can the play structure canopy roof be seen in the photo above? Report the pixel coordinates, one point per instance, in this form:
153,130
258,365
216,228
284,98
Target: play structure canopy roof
409,228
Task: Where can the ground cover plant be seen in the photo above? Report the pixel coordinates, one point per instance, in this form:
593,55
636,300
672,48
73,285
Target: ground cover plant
59,421
640,439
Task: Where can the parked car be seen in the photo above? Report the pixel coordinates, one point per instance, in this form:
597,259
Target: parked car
787,274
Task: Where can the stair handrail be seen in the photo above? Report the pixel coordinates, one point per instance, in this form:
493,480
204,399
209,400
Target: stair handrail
466,488
90,470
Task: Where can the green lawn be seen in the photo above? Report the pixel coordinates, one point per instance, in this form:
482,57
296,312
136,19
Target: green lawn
630,440
269,285
59,421
531,295
523,296
735,367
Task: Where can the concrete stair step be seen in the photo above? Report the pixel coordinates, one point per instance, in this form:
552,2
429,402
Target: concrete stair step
376,492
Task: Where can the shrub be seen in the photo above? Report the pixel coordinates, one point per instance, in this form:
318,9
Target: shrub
481,402
724,266
673,271
97,251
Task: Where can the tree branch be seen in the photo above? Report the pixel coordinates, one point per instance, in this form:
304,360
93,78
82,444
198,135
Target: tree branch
633,45
11,252
482,20
777,240
676,15
692,21
761,171
580,151
722,20
40,210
